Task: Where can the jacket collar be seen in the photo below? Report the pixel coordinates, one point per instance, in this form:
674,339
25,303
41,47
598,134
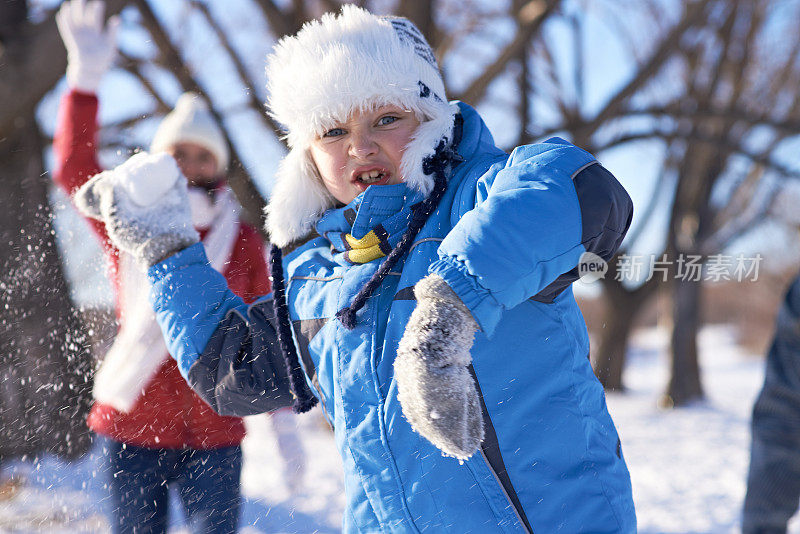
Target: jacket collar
475,136
387,206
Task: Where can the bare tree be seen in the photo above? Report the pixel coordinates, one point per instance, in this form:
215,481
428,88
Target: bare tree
743,73
653,51
736,87
730,87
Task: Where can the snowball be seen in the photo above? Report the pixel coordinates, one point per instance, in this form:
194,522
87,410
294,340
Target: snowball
147,177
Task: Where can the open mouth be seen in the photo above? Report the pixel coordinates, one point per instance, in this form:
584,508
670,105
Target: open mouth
371,177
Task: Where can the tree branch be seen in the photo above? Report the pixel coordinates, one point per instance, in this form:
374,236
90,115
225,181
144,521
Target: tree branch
762,159
668,46
529,19
133,66
734,113
238,178
22,66
241,70
280,23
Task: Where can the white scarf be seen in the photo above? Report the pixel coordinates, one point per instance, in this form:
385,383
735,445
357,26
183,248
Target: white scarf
139,349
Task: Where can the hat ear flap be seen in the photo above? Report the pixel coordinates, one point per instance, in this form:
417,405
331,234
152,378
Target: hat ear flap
298,199
424,142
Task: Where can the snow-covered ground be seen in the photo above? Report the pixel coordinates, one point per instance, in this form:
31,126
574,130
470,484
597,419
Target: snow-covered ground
688,466
64,498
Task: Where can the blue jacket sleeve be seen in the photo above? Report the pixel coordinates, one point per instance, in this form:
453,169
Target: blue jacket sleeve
530,223
227,353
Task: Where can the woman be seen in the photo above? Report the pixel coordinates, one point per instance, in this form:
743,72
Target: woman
157,433
426,293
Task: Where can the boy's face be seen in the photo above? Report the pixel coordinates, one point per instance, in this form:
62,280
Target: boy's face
365,150
196,162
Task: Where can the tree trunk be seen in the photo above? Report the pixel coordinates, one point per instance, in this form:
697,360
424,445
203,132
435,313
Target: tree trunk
32,60
45,369
609,360
685,385
622,307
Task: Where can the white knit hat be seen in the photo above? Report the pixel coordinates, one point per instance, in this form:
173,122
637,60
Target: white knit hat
192,122
333,67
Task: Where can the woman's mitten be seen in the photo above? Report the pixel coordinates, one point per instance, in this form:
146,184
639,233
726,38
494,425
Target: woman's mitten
436,390
145,206
91,44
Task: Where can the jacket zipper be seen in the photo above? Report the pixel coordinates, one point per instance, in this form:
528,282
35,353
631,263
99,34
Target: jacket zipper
505,493
491,437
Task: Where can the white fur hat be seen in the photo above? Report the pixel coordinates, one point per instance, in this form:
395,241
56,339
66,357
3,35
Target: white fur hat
333,67
192,122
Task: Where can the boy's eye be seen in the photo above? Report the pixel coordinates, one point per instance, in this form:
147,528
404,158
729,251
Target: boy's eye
388,119
334,132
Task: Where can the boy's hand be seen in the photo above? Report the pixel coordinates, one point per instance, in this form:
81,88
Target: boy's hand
91,48
436,390
145,206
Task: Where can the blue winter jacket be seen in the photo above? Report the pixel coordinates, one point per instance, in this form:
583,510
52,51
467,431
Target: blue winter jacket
507,237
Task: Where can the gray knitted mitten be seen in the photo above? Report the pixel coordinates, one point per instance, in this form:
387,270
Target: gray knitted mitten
145,206
436,390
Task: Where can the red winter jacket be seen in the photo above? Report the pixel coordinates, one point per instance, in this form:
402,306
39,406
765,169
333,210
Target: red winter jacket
168,414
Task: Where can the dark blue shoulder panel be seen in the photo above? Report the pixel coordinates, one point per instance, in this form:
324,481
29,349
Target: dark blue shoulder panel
606,214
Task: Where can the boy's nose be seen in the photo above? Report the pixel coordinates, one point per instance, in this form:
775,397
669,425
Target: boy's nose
362,145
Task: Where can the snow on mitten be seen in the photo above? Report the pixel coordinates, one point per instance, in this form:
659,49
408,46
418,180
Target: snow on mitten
144,205
435,388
